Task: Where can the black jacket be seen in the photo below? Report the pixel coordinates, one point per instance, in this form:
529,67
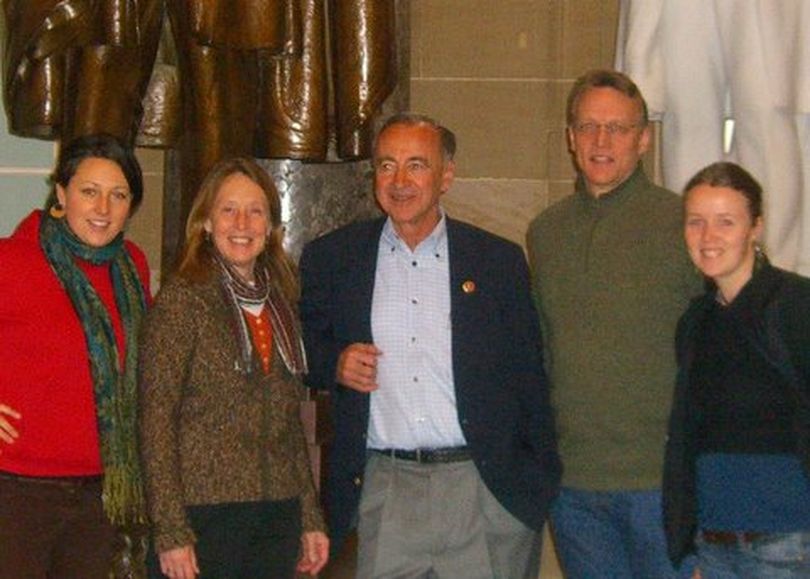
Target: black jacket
779,327
501,391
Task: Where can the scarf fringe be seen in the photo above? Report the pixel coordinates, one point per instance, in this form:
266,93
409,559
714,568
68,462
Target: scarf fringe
122,496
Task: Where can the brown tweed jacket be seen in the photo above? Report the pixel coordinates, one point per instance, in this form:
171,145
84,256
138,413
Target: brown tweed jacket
210,433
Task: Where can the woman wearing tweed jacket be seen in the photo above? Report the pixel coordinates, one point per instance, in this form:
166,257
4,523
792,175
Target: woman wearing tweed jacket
228,484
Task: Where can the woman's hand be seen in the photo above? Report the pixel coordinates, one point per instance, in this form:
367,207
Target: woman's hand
8,433
179,563
314,552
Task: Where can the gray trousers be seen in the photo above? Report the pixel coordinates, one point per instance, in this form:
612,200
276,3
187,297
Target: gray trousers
438,521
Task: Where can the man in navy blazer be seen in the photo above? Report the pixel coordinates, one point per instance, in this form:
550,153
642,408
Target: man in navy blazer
423,329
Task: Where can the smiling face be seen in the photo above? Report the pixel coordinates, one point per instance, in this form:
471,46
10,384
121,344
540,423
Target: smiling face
410,175
721,234
606,160
96,200
239,222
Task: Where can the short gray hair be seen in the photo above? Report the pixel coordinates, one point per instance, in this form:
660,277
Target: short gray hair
447,137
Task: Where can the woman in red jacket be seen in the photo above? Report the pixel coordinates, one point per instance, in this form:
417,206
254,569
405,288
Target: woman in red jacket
73,294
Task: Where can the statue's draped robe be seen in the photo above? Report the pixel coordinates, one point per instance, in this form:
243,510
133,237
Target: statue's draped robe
78,66
266,78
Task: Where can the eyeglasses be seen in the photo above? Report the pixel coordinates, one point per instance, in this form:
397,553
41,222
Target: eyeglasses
612,129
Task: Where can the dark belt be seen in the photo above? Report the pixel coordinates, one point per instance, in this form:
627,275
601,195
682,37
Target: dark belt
729,538
62,481
428,455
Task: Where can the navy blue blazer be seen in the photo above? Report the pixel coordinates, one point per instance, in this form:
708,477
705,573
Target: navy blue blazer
501,390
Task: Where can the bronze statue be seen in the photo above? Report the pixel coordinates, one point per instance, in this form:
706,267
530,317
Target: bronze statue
285,79
73,67
256,76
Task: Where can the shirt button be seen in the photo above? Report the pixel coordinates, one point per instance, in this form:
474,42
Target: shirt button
357,481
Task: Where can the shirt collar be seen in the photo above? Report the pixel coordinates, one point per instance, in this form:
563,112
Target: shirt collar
435,243
636,181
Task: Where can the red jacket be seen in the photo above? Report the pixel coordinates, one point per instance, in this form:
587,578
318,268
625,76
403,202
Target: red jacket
44,363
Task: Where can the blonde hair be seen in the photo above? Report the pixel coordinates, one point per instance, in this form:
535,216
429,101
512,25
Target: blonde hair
196,260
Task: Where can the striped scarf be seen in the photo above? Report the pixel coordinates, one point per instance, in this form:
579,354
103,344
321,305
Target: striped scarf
114,388
286,335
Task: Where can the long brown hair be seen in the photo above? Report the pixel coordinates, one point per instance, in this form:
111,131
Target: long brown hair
196,261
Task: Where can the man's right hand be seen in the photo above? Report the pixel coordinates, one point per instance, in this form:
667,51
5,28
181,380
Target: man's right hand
357,367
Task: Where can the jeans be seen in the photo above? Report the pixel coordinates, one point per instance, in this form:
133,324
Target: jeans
612,535
771,556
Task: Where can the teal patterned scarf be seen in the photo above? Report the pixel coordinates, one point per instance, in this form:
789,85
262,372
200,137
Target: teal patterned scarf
115,390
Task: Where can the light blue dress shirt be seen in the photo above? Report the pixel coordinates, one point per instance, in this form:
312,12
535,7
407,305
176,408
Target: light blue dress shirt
415,405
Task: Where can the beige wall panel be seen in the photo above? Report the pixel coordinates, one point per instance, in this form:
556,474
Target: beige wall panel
145,228
549,568
588,35
502,206
561,90
500,125
560,162
609,26
418,9
151,160
483,38
652,160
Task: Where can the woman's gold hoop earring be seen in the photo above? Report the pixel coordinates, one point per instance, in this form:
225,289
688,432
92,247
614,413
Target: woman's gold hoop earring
57,211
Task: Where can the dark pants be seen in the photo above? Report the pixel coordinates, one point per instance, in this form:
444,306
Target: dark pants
53,528
257,540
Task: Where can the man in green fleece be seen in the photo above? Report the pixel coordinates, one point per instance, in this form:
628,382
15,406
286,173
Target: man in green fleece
611,278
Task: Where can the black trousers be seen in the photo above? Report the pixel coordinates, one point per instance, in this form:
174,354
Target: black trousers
254,540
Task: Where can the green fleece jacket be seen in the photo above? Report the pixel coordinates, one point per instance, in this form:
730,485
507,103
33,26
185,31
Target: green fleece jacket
611,278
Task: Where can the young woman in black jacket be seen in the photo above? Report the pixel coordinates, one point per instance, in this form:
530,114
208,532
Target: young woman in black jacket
737,469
